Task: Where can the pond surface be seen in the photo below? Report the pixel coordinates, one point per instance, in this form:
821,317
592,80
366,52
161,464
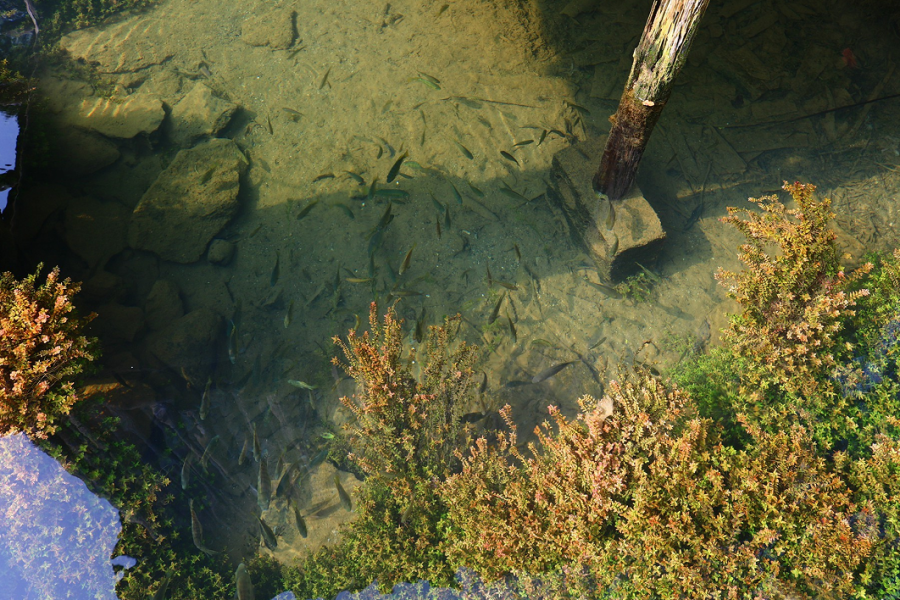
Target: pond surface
235,183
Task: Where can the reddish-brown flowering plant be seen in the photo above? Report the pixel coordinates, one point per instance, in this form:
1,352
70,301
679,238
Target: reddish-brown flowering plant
41,351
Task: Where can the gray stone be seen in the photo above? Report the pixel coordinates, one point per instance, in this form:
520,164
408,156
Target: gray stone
188,344
199,114
189,203
636,235
95,230
220,252
274,29
80,152
163,305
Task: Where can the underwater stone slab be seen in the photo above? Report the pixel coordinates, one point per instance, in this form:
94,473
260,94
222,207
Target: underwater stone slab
163,305
122,47
189,203
199,114
274,29
636,235
119,117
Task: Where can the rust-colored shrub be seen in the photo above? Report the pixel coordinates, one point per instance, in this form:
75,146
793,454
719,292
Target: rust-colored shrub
41,351
654,505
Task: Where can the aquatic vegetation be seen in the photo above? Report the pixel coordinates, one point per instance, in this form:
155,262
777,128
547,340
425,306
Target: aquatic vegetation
41,352
795,303
643,493
638,287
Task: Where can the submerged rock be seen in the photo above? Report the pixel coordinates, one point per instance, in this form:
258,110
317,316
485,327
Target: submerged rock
199,114
95,230
163,305
80,152
220,252
189,203
274,29
188,344
127,46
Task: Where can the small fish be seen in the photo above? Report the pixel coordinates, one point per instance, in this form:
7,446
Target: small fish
372,189
696,214
464,150
389,148
207,454
294,115
508,156
305,210
426,82
186,471
264,486
405,264
484,383
579,108
268,535
524,143
346,209
419,333
243,584
301,523
392,174
204,400
505,189
245,449
433,80
478,192
279,466
323,176
197,531
456,193
164,586
273,279
406,293
359,279
357,178
289,314
551,371
284,481
269,126
318,459
447,217
327,435
393,194
437,226
512,328
342,494
543,137
518,253
301,384
437,205
507,285
232,343
257,452
610,216
496,310
207,176
325,78
542,343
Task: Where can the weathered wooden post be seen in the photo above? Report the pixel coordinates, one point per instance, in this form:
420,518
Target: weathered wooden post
659,56
604,209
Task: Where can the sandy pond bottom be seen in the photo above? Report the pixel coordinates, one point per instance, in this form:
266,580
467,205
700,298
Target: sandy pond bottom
319,95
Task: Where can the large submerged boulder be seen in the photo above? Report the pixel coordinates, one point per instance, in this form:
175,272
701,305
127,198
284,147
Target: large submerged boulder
189,203
199,114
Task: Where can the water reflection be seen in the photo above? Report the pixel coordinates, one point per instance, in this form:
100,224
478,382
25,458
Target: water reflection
56,536
9,133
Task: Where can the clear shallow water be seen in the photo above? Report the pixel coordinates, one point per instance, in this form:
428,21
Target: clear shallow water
9,134
315,92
